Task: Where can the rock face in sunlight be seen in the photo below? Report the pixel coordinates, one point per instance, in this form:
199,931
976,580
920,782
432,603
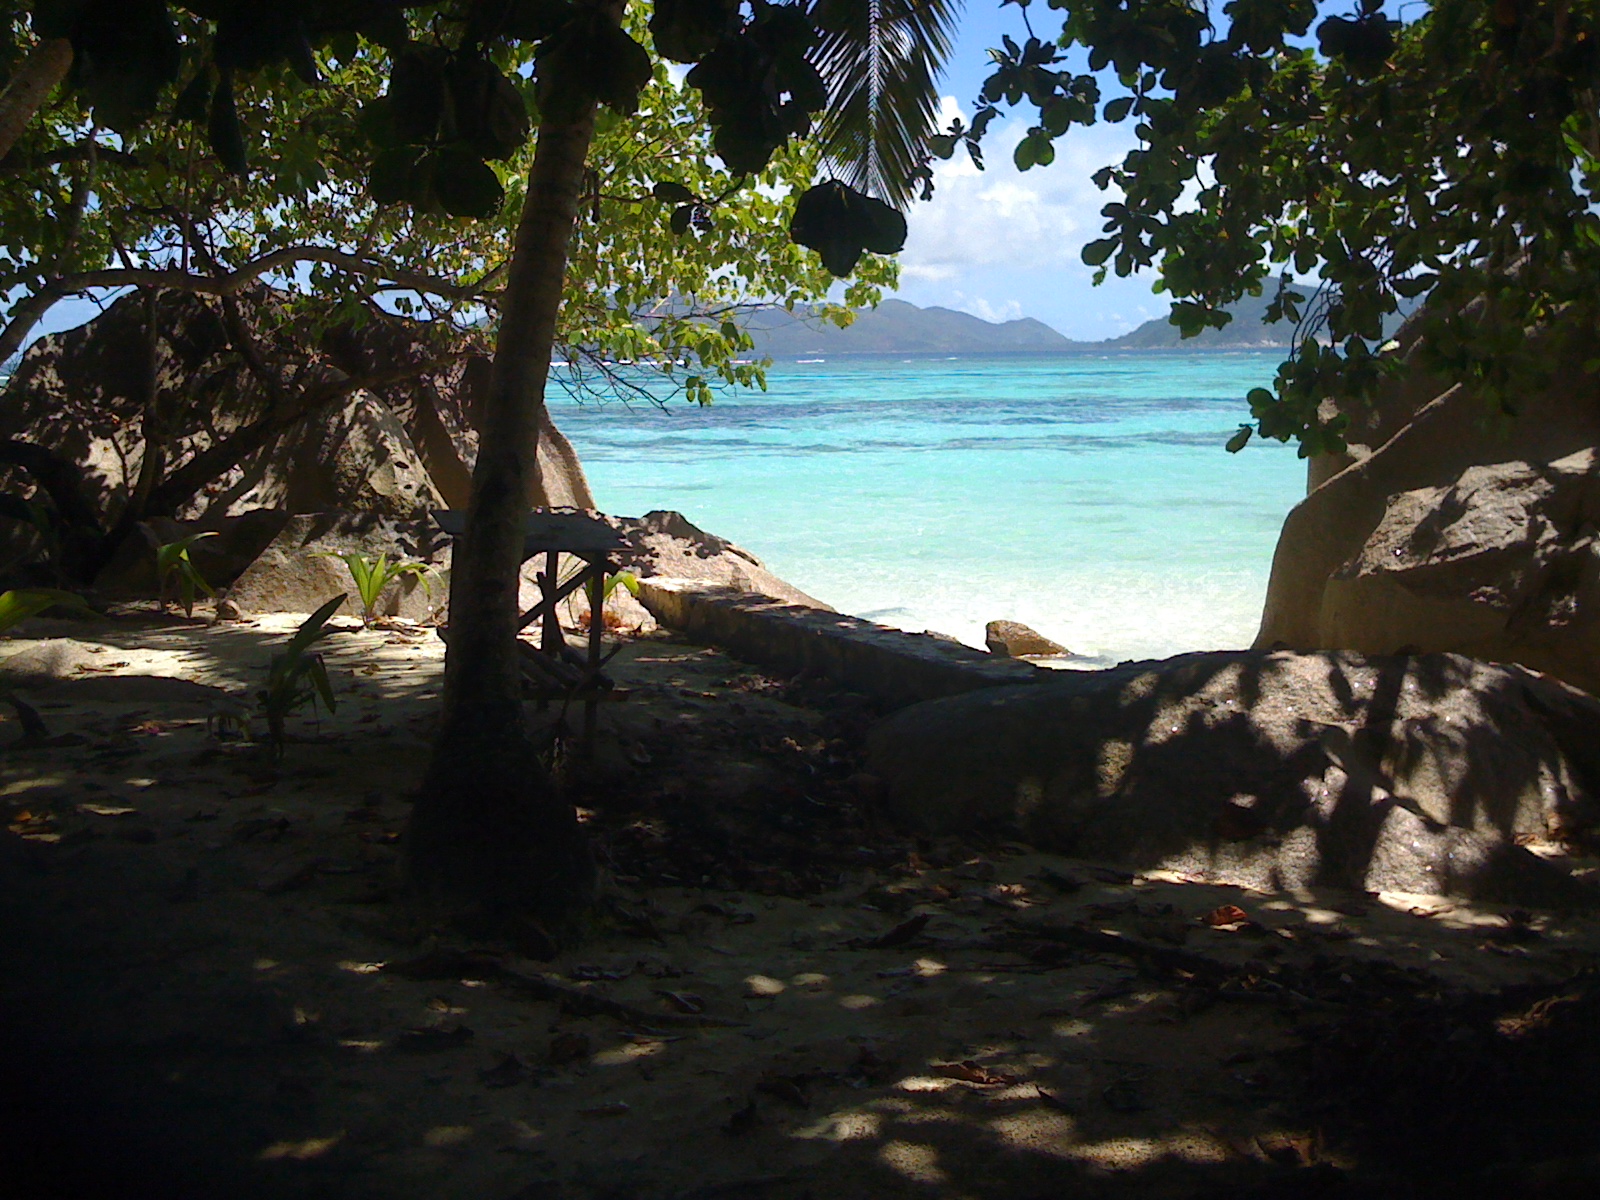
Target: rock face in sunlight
1504,564
666,543
1013,639
293,573
288,576
1449,528
1428,773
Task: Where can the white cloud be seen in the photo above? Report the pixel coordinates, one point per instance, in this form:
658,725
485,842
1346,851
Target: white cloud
1004,243
981,308
928,273
1002,217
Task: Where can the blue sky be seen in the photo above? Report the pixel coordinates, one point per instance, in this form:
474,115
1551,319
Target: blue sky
1004,243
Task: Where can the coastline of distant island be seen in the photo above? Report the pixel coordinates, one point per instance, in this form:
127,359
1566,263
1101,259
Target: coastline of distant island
898,327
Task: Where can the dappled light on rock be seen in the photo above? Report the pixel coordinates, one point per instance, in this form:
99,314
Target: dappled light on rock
1430,773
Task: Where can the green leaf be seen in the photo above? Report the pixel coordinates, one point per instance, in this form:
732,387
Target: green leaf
194,101
20,604
840,223
490,114
317,670
169,554
1097,252
223,129
534,20
417,92
879,66
312,628
672,193
465,185
686,31
1416,285
623,579
1118,109
125,53
392,179
590,59
1240,439
883,227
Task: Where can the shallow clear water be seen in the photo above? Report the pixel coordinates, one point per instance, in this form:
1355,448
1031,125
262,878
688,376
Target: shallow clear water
1087,496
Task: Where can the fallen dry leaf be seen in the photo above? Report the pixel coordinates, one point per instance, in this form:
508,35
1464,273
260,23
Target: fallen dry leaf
1227,914
970,1072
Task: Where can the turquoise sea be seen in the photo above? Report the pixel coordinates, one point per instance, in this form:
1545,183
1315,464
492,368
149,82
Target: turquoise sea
1087,495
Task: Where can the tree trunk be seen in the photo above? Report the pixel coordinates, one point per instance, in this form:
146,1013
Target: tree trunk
30,87
489,836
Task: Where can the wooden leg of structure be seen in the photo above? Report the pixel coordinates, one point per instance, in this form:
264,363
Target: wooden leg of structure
549,585
597,628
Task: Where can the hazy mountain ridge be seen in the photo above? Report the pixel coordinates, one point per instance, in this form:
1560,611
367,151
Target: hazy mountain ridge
1247,331
897,327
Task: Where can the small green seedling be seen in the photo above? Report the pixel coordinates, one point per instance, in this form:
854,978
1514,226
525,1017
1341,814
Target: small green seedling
372,575
623,579
297,676
17,606
172,562
626,579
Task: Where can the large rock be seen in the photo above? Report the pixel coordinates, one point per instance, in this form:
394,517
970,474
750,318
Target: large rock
1504,565
666,545
1013,639
669,545
1270,770
220,559
393,449
290,575
1413,449
294,573
366,462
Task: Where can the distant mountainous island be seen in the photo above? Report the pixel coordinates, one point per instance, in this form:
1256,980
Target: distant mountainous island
896,327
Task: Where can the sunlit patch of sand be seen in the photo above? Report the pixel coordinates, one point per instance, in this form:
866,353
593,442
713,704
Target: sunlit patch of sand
301,1151
913,1160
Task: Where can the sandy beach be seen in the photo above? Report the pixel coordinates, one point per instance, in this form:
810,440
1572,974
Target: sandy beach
214,989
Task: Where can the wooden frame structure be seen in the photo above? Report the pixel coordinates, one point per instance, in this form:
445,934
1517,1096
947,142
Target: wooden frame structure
553,667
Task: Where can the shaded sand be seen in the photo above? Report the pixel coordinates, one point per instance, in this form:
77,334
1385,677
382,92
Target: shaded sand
210,989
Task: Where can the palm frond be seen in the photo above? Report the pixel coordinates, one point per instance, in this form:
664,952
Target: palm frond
881,60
